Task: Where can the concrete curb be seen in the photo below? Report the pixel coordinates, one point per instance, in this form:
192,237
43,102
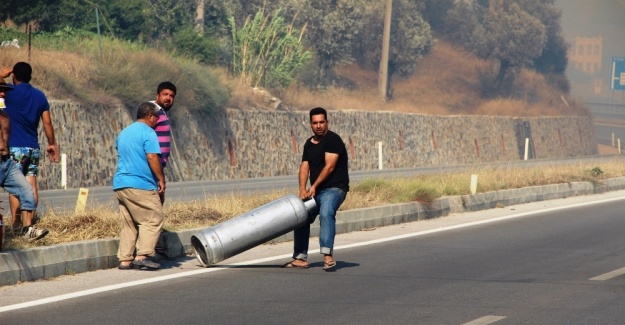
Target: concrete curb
70,258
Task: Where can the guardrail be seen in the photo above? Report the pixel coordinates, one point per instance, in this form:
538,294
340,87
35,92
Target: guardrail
611,108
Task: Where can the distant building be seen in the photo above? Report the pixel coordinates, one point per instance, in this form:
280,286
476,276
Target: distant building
585,54
585,57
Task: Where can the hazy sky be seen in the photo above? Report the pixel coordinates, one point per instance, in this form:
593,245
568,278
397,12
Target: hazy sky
591,18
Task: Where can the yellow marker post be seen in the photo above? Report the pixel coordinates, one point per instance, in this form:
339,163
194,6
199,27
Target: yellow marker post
82,200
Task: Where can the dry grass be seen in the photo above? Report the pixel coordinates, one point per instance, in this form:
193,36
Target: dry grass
103,221
121,73
446,83
52,70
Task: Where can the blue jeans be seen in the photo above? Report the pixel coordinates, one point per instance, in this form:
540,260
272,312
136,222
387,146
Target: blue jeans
328,202
14,182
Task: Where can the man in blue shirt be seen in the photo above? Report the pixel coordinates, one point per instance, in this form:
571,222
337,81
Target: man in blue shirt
11,178
26,106
137,183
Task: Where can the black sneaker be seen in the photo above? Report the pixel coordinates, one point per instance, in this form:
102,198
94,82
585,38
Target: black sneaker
32,233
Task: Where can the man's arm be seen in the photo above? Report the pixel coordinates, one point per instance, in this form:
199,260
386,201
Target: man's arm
330,164
5,129
304,169
155,165
53,148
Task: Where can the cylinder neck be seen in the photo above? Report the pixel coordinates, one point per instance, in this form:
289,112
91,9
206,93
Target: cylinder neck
310,204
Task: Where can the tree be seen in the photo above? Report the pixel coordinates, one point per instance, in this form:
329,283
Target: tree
554,56
243,9
435,11
128,20
186,42
167,16
507,34
332,29
514,38
462,25
530,37
411,38
216,14
47,15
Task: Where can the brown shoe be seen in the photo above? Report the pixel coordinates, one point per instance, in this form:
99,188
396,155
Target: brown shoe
145,264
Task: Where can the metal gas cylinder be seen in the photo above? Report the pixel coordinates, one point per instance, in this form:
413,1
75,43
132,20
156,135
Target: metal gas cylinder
234,236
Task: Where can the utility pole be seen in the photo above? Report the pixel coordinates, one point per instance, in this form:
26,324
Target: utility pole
386,41
199,17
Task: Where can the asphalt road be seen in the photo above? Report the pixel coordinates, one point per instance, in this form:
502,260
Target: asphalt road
541,263
604,133
615,115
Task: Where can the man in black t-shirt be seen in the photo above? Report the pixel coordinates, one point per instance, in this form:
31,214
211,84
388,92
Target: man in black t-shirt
324,161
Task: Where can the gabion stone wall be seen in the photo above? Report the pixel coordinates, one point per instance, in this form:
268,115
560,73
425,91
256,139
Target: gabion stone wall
248,144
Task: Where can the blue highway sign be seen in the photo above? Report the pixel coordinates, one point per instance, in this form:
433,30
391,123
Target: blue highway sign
617,81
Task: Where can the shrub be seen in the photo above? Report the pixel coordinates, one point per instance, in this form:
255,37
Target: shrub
188,43
266,51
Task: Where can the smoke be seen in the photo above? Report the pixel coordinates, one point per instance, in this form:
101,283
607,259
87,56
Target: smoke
605,18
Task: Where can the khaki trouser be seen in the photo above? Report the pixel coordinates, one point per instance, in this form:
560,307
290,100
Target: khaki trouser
142,220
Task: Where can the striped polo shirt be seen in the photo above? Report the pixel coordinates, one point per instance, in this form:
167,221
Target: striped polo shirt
163,132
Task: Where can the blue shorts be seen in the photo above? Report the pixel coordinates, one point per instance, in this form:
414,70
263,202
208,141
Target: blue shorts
26,159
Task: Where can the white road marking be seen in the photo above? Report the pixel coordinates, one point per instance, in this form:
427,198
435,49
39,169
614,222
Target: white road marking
476,223
133,283
279,257
609,275
485,320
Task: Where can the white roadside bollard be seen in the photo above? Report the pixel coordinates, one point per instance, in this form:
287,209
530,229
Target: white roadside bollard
473,184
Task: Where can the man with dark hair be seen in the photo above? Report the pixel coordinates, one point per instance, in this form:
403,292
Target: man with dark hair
22,71
165,96
26,106
138,183
324,161
12,179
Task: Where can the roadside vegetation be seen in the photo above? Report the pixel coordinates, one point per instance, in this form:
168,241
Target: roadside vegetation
446,57
69,65
103,221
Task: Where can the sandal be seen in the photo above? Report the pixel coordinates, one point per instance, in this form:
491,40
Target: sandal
125,267
329,266
291,265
